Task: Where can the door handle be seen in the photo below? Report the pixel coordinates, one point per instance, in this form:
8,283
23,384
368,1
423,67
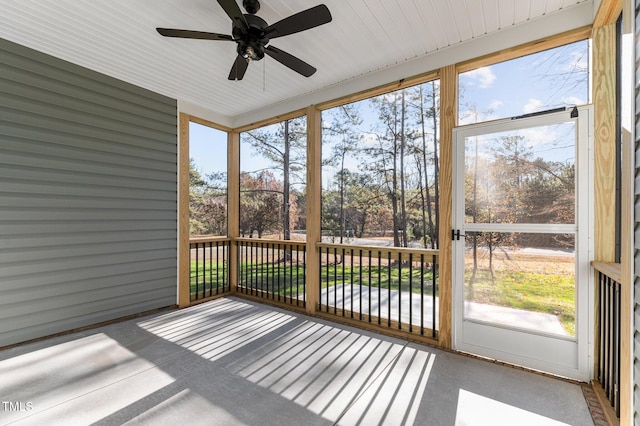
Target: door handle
455,235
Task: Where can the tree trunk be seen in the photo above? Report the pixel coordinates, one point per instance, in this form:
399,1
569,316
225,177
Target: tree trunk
475,218
426,230
342,224
403,202
436,164
394,183
285,168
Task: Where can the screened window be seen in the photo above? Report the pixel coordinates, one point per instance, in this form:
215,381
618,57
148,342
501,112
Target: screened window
380,170
273,180
207,181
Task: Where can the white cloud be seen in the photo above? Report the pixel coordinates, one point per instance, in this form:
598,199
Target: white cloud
495,104
532,106
579,61
536,136
573,100
483,77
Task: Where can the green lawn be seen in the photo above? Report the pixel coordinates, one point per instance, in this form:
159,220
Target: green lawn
215,271
283,279
280,279
395,279
547,293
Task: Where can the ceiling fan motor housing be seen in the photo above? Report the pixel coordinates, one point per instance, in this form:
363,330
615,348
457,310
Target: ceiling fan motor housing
251,44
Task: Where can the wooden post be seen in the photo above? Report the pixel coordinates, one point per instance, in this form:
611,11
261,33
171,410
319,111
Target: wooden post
184,298
604,101
233,205
448,120
604,106
314,194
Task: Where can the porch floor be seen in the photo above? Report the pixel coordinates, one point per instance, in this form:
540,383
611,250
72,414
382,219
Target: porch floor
230,362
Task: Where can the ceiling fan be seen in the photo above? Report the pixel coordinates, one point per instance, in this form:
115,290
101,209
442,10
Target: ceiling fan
252,34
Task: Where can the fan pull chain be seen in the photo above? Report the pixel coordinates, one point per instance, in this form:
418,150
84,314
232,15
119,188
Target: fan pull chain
264,76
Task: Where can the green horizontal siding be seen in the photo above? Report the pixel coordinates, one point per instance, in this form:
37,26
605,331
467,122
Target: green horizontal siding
88,196
636,346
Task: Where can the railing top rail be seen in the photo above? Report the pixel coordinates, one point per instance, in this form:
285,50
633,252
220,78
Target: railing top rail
612,270
382,249
269,241
206,239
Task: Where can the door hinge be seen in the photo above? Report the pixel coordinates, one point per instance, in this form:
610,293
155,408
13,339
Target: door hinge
455,235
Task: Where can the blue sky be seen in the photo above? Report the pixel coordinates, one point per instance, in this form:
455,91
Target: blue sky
532,83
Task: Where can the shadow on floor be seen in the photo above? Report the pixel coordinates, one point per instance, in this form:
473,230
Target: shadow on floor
236,362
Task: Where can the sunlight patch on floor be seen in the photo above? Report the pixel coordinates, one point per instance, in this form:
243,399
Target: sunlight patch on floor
478,410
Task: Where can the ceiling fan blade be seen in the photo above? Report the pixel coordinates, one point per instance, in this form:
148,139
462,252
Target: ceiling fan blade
169,32
238,69
288,60
232,9
310,18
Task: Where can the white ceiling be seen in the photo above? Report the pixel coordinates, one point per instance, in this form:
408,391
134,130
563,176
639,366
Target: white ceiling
369,42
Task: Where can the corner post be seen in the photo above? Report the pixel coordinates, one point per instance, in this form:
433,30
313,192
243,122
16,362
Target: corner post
314,194
448,120
184,298
233,205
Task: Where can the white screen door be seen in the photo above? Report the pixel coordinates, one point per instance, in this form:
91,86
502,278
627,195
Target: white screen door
521,241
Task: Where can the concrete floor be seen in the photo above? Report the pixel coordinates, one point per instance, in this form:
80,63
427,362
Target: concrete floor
231,362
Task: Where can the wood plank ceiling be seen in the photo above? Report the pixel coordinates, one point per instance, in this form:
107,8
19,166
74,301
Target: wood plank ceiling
118,38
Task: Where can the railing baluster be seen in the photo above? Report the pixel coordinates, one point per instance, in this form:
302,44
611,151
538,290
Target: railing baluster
422,296
244,278
351,281
616,348
261,245
369,290
379,286
226,248
289,255
209,245
277,263
360,283
297,274
389,290
410,292
327,267
434,305
399,290
335,280
248,268
272,281
304,276
211,268
198,270
343,265
601,321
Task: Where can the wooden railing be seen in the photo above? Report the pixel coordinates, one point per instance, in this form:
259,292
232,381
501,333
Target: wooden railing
272,270
209,267
384,287
390,287
609,277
